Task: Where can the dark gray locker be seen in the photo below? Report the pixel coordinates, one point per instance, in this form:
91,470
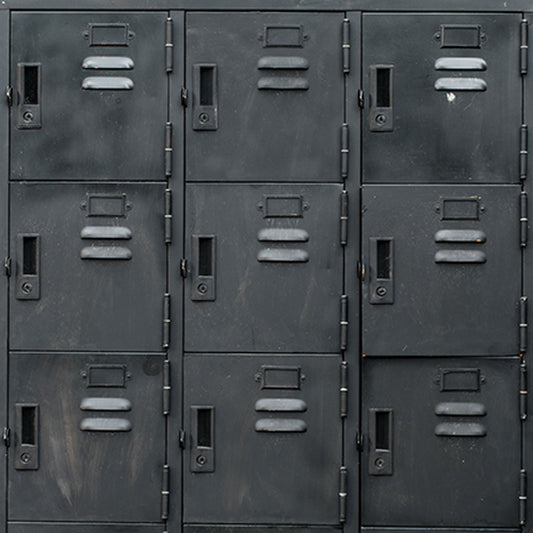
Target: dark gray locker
265,268
442,97
88,437
88,267
441,270
264,439
443,442
91,93
266,96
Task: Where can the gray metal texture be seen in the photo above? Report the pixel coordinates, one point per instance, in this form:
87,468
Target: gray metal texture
266,266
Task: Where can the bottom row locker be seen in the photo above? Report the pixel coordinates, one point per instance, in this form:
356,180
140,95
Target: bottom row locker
88,439
443,446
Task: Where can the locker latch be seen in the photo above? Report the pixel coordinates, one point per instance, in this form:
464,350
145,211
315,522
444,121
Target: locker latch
9,96
6,437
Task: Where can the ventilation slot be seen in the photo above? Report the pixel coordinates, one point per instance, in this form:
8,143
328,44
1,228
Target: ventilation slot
107,63
107,83
460,84
460,63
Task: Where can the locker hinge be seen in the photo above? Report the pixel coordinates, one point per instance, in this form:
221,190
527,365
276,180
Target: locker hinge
168,216
346,45
359,441
9,95
345,150
169,47
344,322
361,98
184,97
166,320
168,149
524,47
523,496
523,324
523,219
166,387
523,151
165,492
183,268
523,391
181,438
6,437
344,218
343,478
344,389
7,266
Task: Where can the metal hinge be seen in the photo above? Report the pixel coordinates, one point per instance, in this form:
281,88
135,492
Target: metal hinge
524,47
168,149
344,218
165,492
166,387
344,322
181,438
6,437
184,97
523,151
359,442
168,216
9,95
345,150
361,98
346,45
166,320
523,496
523,391
7,266
169,47
183,268
523,219
343,478
523,324
344,389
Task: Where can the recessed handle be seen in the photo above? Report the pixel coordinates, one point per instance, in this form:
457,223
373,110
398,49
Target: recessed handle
203,280
381,114
28,280
27,436
203,438
380,437
381,284
205,97
29,90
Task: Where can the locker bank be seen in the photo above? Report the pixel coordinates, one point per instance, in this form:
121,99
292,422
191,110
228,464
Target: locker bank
265,266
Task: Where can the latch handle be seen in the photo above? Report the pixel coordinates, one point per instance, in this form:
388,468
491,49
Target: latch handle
381,115
202,438
203,280
380,431
205,97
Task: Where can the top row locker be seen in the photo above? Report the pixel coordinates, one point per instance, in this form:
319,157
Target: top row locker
443,98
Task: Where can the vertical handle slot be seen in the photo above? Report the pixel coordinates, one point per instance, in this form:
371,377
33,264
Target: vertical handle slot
203,281
381,98
202,437
205,97
28,267
29,89
381,270
380,436
27,436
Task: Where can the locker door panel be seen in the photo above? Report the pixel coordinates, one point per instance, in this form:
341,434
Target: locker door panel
264,439
443,98
443,446
88,437
265,268
266,96
442,270
88,266
91,96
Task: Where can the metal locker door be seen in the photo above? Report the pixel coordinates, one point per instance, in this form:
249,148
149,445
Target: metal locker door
88,266
443,97
442,270
88,438
443,442
264,439
266,93
90,96
265,268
